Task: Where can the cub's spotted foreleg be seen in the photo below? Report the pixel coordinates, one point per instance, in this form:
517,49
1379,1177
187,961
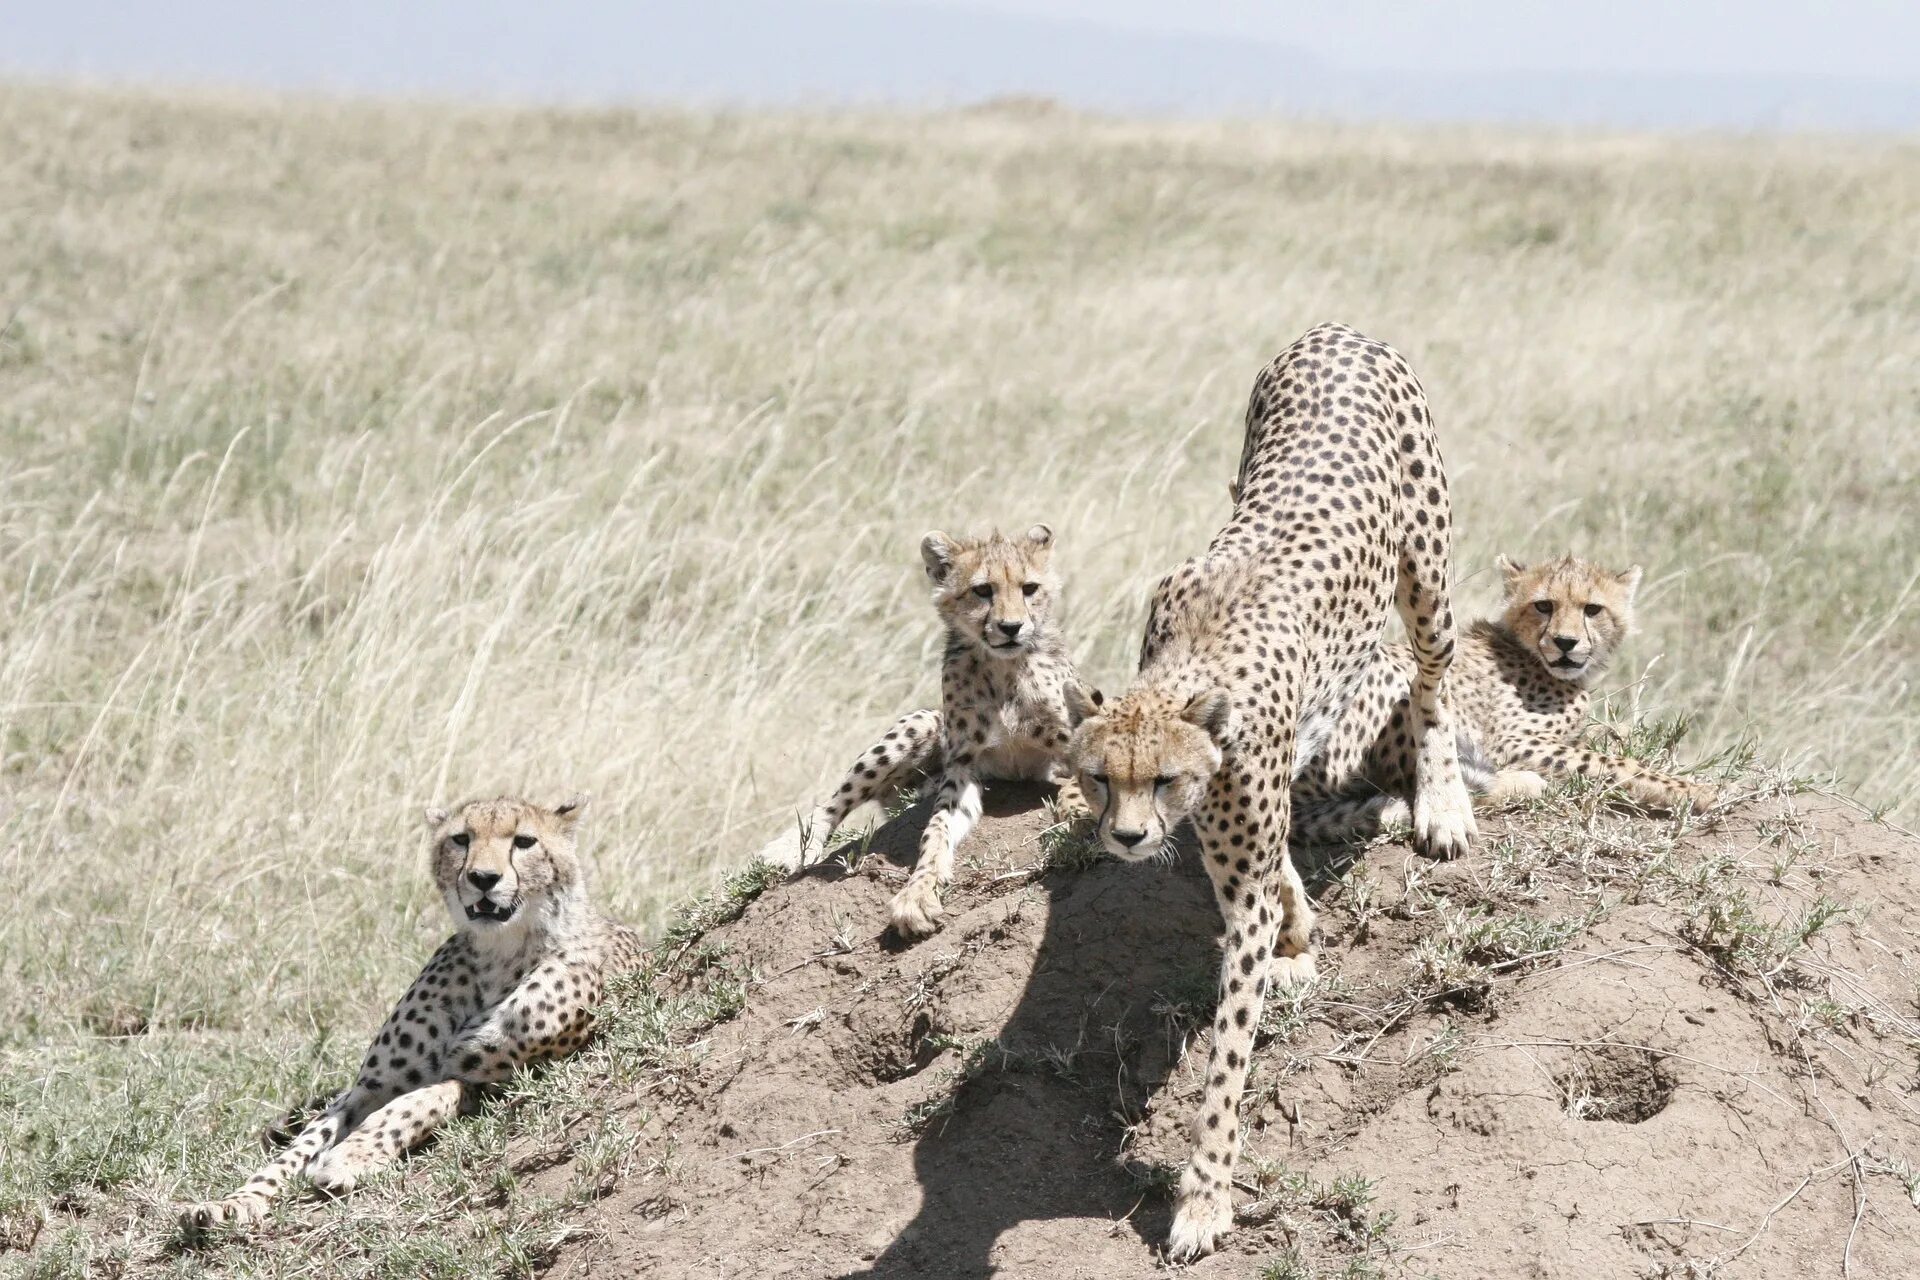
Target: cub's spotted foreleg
916,909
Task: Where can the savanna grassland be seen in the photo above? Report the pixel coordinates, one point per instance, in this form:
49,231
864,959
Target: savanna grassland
354,457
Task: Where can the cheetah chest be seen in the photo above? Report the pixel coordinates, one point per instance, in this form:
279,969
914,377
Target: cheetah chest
1023,738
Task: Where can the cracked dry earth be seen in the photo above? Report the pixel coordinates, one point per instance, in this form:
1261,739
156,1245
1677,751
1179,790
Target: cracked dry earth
1602,1044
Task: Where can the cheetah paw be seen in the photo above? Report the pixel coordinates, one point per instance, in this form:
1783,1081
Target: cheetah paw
236,1211
916,909
1203,1216
1512,787
332,1175
787,851
1443,825
1292,971
1703,795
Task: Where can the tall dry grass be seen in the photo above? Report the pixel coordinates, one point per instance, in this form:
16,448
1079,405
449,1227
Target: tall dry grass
353,457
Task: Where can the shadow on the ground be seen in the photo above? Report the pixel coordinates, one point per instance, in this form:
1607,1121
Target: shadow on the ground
1127,963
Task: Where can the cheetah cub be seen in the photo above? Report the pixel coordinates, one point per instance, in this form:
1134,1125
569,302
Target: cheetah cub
516,984
1003,688
1519,688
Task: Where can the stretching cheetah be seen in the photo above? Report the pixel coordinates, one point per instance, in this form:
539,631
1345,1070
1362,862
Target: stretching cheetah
1519,689
517,983
1253,651
1002,712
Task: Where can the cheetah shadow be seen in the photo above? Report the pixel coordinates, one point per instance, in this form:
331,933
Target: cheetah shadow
1039,1129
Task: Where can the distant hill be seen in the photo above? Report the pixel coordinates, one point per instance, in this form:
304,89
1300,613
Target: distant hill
776,52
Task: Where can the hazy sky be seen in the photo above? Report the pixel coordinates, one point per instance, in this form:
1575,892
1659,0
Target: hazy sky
1844,37
1722,64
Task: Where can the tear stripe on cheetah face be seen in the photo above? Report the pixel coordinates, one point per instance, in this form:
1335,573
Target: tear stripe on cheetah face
1004,680
1145,765
994,593
515,985
506,868
1569,613
1340,516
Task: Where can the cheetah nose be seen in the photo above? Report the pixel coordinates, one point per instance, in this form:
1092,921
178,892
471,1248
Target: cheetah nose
483,880
1011,629
1566,643
1129,838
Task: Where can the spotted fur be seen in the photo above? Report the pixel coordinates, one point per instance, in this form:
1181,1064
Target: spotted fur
1003,684
1520,691
1253,651
516,984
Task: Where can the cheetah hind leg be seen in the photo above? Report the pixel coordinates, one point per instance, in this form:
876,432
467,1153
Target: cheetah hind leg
910,747
1443,825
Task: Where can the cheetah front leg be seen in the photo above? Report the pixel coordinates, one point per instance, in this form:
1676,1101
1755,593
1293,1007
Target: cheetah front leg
916,909
1269,928
889,764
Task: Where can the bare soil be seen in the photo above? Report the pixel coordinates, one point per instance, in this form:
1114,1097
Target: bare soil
1596,1046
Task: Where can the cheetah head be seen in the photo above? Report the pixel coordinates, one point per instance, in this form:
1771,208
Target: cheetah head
1145,762
1571,614
994,593
506,864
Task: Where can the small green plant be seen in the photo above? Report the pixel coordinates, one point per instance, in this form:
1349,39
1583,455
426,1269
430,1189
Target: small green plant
1069,845
1288,1266
725,904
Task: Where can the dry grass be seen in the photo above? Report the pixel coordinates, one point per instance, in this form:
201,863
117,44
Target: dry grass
353,457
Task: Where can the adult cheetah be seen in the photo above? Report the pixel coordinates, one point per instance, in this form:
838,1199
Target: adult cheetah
1253,652
1003,686
1519,689
517,983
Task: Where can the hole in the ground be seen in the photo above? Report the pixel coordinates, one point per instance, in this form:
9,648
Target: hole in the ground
889,1051
1617,1083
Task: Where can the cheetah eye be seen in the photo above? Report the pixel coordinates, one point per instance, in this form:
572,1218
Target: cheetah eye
1593,611
1543,606
1163,781
524,842
461,838
1028,588
984,591
1099,779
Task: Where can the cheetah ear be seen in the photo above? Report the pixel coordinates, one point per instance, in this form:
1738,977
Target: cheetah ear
434,816
1040,535
1211,711
568,811
1629,581
1083,703
936,550
1511,571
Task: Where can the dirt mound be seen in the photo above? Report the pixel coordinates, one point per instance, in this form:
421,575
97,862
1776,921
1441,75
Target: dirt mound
1601,1045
